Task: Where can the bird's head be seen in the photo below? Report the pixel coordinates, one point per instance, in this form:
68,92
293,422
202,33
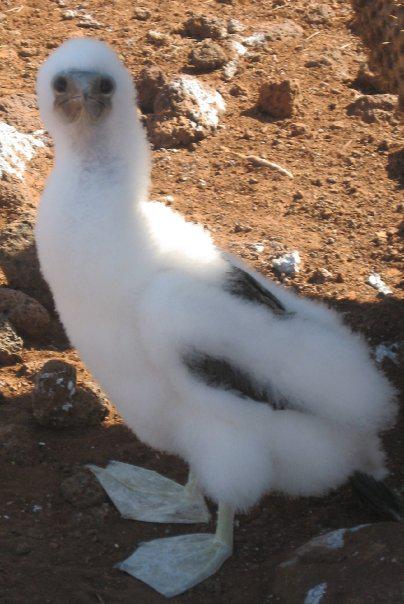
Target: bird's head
83,84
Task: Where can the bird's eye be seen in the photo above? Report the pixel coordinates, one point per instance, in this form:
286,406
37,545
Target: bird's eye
106,85
60,84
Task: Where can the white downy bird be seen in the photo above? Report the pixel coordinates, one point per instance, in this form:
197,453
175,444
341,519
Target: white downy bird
254,387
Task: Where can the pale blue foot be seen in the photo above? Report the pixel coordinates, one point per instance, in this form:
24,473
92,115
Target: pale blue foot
173,565
145,495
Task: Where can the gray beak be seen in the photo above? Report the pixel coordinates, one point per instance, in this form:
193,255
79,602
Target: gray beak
83,95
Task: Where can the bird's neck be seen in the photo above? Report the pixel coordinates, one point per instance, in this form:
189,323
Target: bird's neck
112,157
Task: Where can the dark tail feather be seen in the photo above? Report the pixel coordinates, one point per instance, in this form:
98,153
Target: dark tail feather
378,496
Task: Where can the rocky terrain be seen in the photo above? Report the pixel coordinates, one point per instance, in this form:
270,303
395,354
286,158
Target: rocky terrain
270,128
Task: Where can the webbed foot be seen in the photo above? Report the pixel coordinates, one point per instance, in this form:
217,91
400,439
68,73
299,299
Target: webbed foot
145,495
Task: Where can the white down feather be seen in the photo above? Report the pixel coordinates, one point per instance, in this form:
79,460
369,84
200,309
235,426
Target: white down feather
137,288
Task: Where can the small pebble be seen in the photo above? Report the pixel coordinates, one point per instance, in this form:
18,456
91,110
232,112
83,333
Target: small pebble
288,264
142,14
157,38
377,282
67,15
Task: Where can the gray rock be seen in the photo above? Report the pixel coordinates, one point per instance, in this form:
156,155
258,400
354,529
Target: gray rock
10,344
57,401
280,98
27,315
83,490
141,14
203,26
185,111
208,56
150,81
373,108
19,260
319,14
320,276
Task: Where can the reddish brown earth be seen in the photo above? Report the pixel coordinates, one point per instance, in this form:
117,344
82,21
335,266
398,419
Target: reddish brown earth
342,211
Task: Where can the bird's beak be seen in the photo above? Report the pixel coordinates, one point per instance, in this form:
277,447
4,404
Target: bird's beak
83,95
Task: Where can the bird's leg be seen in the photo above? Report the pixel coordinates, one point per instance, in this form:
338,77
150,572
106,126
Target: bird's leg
224,524
145,495
175,564
192,485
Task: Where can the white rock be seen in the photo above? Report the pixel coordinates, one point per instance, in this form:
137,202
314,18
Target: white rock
238,47
288,264
332,540
258,39
71,387
16,149
377,282
157,37
230,70
387,351
210,103
67,15
258,247
315,594
88,22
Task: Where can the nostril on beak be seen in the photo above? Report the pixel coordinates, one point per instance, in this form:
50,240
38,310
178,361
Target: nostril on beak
60,84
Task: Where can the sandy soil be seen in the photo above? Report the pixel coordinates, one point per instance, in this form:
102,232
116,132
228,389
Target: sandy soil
342,211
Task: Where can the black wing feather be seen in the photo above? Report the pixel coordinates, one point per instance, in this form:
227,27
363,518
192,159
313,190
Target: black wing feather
242,284
377,495
219,373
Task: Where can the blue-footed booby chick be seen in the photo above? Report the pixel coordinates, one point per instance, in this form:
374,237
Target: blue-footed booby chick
255,388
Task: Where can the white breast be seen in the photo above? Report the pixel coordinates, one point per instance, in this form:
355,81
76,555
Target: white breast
97,270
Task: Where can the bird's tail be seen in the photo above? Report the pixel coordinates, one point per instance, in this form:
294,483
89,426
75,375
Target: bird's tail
377,495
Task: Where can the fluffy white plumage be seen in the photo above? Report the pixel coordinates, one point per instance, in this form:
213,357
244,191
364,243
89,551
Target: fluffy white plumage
138,289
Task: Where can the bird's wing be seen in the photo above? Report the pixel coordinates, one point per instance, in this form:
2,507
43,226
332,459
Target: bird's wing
185,314
229,331
225,374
